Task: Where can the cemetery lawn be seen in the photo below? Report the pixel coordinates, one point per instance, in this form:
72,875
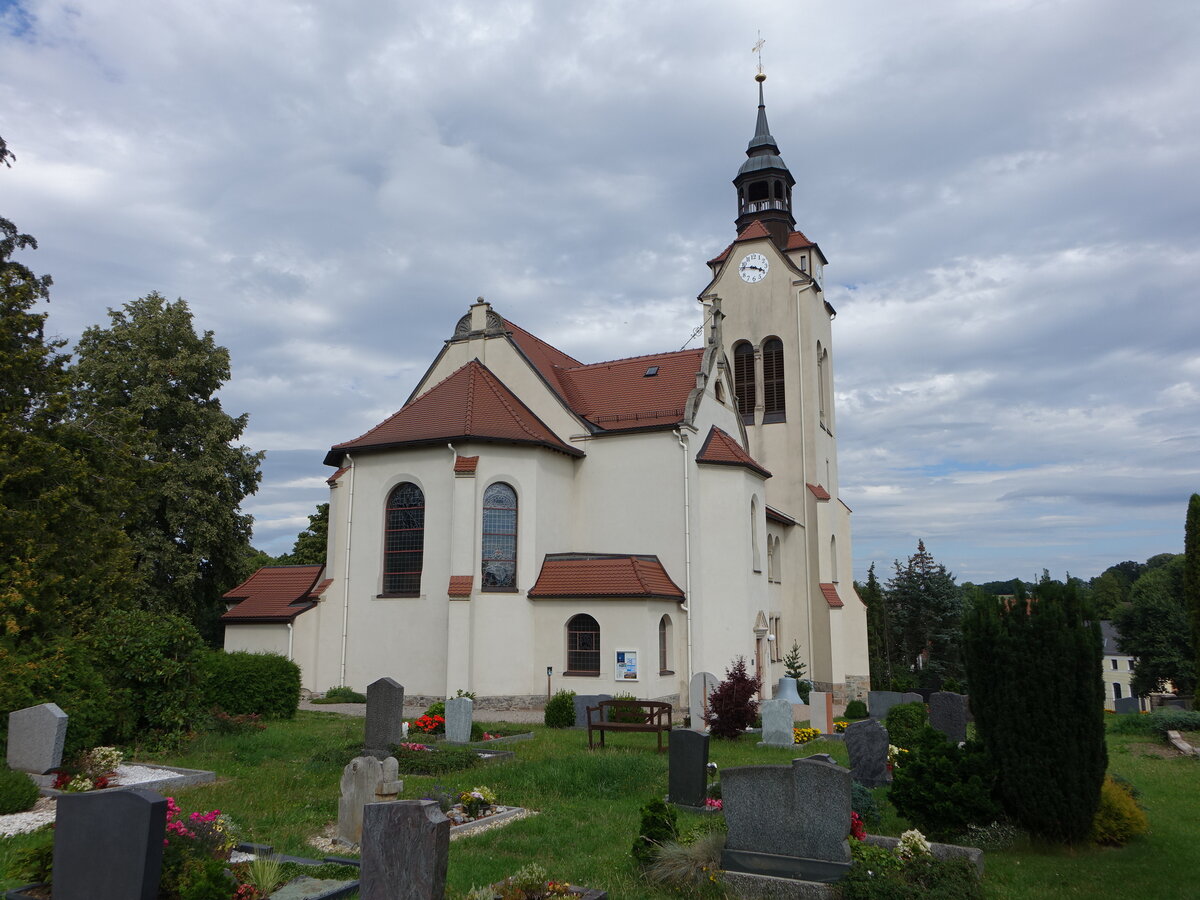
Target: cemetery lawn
281,786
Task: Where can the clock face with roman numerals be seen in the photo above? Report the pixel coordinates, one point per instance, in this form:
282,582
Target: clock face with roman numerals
753,267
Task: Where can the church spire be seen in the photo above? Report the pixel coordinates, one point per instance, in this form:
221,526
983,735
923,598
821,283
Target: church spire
764,184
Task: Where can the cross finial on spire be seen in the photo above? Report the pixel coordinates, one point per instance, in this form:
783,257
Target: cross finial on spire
757,50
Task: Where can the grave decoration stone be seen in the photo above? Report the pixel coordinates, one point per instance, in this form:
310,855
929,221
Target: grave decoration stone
405,851
365,780
786,690
458,719
1126,705
700,688
777,723
109,845
820,711
948,714
911,697
385,717
582,702
687,772
867,744
879,702
788,821
35,738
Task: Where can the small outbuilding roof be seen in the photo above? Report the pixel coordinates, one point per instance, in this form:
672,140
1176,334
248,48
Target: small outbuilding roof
275,594
616,576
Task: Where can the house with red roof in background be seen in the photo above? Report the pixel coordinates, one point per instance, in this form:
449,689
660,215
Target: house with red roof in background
622,525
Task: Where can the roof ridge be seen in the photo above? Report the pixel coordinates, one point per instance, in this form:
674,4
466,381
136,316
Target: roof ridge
621,359
516,415
469,413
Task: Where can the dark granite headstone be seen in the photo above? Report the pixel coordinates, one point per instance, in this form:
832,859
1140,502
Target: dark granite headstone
1125,705
879,702
582,702
867,744
405,851
948,714
385,717
788,821
109,845
911,697
687,773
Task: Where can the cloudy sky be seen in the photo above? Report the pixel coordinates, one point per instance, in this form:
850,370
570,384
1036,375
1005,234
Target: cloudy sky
1007,193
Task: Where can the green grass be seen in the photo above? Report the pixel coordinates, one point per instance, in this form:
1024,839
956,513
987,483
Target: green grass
281,786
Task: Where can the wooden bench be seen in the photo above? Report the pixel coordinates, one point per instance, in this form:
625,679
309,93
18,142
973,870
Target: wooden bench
642,715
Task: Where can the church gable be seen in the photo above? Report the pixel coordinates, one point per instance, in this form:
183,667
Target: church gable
721,449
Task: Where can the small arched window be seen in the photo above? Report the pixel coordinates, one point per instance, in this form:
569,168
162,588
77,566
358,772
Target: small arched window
833,560
743,379
773,399
499,565
778,563
583,645
404,540
770,558
821,378
665,666
756,559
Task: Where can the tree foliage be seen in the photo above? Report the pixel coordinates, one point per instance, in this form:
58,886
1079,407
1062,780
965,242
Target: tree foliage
1191,570
148,383
1156,630
880,652
1034,669
309,548
731,706
925,615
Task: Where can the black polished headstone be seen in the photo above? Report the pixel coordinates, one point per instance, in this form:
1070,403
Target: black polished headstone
867,744
385,717
687,774
109,845
879,702
1125,705
405,851
582,702
948,714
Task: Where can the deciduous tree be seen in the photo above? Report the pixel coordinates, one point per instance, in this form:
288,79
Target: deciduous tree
1156,631
309,548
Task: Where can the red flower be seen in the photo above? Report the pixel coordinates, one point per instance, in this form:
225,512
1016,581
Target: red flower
100,782
61,780
857,831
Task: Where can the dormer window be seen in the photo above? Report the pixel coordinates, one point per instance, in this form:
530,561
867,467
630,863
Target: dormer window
651,372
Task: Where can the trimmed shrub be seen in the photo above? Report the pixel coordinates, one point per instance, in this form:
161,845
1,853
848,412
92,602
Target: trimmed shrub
341,695
560,710
659,825
904,724
856,709
1158,722
263,683
1118,818
942,788
436,761
436,708
17,791
624,715
731,706
862,801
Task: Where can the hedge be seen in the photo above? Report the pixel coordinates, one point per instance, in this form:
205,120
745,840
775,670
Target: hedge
263,683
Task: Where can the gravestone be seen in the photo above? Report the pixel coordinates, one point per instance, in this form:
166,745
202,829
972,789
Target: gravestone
109,846
700,688
777,723
911,697
867,744
458,719
948,714
820,711
788,821
35,738
1126,705
405,851
365,780
687,773
385,717
582,702
879,702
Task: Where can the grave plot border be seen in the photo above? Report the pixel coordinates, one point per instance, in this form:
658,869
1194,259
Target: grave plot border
178,778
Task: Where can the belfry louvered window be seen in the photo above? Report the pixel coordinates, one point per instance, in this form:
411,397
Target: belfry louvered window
499,565
583,645
404,540
773,399
743,379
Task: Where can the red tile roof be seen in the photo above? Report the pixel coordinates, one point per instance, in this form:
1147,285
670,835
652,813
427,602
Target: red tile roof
466,463
276,594
774,515
619,395
336,475
604,575
470,404
831,595
756,231
461,585
817,491
548,360
721,449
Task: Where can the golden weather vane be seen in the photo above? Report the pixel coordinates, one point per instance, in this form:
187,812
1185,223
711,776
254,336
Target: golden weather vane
757,50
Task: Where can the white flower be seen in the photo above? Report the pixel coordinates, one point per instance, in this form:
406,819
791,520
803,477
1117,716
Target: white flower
912,843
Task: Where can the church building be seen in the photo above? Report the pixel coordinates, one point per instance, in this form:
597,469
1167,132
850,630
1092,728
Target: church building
526,518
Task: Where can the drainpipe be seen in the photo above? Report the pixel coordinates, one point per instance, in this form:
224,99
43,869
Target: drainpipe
346,574
687,554
289,641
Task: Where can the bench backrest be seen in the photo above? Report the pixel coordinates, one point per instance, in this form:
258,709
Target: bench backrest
651,712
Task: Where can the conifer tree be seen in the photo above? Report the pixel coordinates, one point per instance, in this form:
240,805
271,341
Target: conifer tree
879,634
1191,570
1038,699
925,617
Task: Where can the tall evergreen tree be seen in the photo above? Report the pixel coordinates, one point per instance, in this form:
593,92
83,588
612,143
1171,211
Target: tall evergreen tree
925,613
309,548
879,633
1191,570
1038,698
149,383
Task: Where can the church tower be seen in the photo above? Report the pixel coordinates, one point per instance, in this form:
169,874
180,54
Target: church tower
777,333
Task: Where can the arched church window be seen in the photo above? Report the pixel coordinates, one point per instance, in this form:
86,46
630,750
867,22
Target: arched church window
583,645
833,560
758,190
743,379
404,540
755,556
821,376
773,396
499,565
664,646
